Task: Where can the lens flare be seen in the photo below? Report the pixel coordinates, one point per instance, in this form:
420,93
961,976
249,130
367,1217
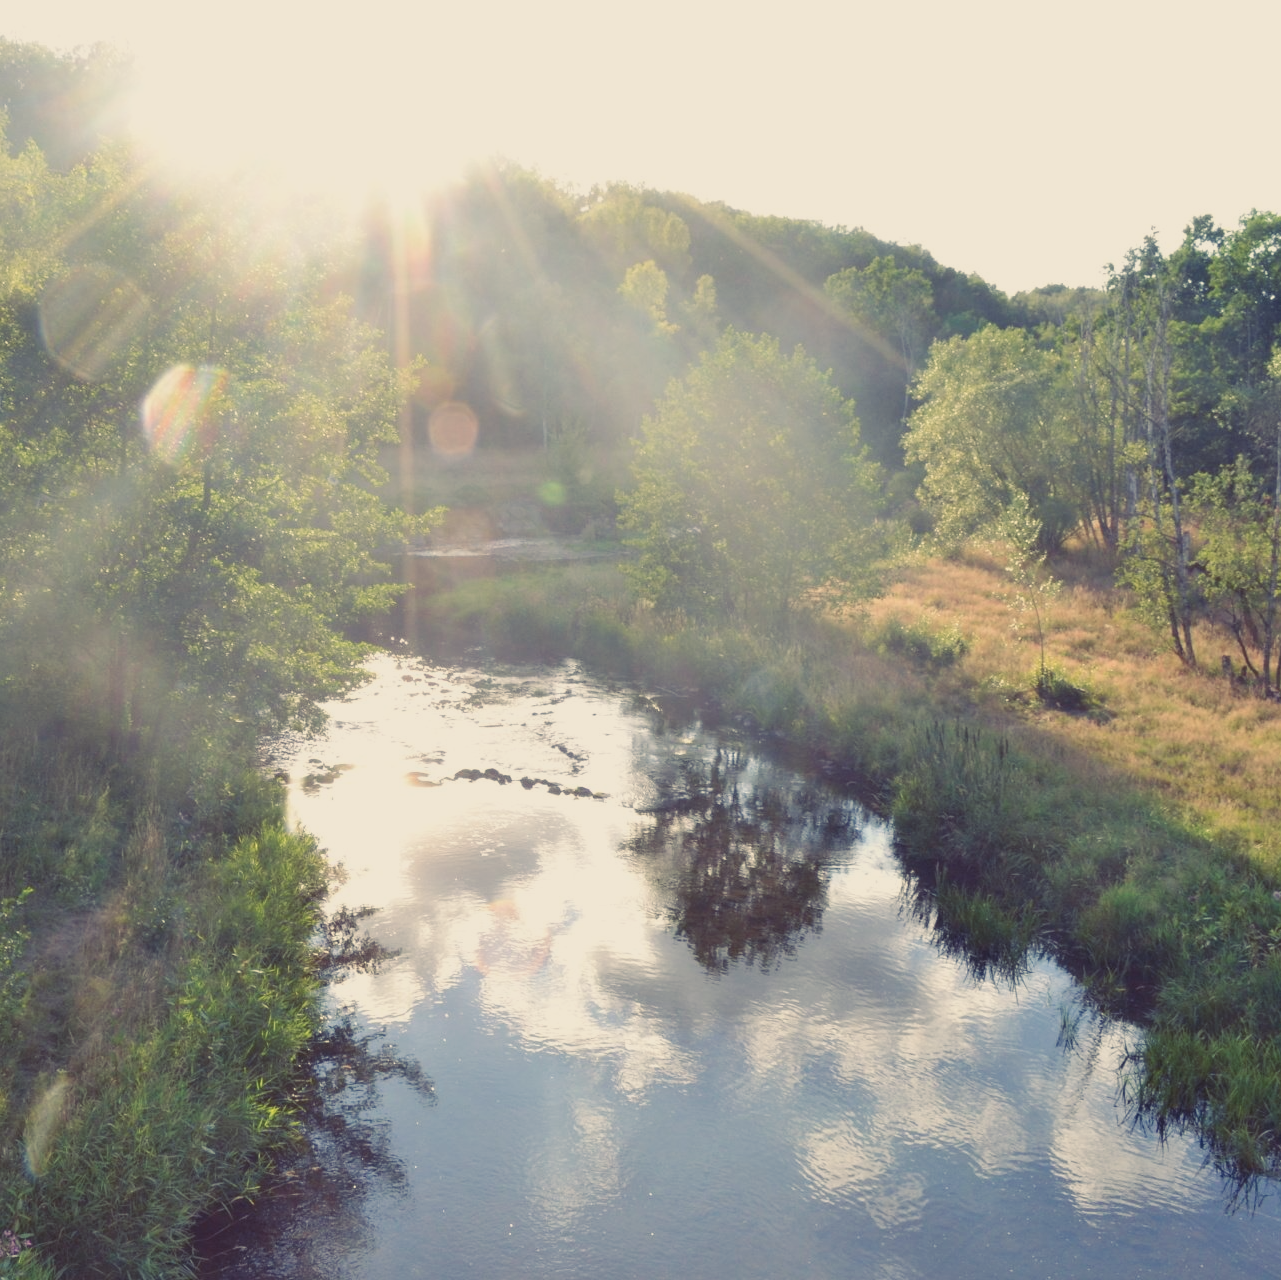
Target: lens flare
177,413
44,1120
88,317
452,429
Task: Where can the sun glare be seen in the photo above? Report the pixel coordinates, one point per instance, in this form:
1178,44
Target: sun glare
292,116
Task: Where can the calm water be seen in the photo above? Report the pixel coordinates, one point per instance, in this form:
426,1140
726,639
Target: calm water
686,1025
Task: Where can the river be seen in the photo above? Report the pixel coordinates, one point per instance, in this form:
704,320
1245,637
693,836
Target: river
680,1014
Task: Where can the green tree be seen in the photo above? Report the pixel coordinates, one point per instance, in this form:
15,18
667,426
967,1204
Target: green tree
625,228
897,303
701,310
67,103
213,557
750,486
1237,513
994,422
1035,589
1157,549
645,288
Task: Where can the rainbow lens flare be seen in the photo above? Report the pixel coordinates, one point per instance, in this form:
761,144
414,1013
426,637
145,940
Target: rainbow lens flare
178,417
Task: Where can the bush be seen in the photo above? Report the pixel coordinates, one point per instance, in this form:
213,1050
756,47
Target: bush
750,487
152,1130
1055,690
920,643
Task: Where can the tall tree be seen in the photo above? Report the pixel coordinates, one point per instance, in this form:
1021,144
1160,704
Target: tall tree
897,303
218,548
750,486
995,421
1158,548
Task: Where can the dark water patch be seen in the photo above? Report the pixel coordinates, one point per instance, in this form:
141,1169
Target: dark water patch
314,1216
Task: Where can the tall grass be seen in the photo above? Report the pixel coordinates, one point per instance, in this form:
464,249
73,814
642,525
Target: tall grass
158,983
153,1129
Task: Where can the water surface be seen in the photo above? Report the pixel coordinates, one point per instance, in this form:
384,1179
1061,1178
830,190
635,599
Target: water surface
682,1019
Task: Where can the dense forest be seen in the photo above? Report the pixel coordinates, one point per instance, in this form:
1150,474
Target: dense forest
210,413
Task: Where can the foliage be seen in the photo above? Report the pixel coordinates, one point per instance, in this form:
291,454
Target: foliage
224,543
66,103
750,489
186,1113
1034,587
919,642
1166,598
1237,554
994,423
537,305
894,302
645,287
192,537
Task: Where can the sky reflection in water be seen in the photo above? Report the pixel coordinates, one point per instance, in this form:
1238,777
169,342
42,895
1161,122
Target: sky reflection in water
659,1051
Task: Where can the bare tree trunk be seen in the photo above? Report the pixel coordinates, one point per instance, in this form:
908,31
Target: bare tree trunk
1129,433
1274,567
1182,539
1162,481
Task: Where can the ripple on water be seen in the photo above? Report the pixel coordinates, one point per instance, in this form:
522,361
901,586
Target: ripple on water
622,1093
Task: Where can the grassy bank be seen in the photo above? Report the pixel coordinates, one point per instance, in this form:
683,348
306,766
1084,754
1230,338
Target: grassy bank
157,987
1133,838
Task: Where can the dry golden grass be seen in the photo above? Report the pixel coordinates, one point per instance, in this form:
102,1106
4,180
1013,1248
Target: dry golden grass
1212,752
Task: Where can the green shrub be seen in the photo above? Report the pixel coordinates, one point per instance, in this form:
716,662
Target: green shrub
155,1131
920,643
1056,690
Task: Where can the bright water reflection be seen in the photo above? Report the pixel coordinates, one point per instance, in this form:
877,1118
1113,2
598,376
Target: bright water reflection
688,1025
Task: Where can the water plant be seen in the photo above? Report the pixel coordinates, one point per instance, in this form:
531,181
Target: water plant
953,798
994,941
1069,1025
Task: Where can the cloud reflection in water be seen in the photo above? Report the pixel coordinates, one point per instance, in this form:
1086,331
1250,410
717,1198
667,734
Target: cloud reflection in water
706,997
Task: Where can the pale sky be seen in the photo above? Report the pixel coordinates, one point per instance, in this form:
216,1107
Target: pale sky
1029,143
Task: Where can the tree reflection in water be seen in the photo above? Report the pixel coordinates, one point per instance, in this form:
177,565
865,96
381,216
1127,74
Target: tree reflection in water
743,856
311,1215
311,1218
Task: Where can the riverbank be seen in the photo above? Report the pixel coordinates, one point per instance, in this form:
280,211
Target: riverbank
1100,836
166,980
158,986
